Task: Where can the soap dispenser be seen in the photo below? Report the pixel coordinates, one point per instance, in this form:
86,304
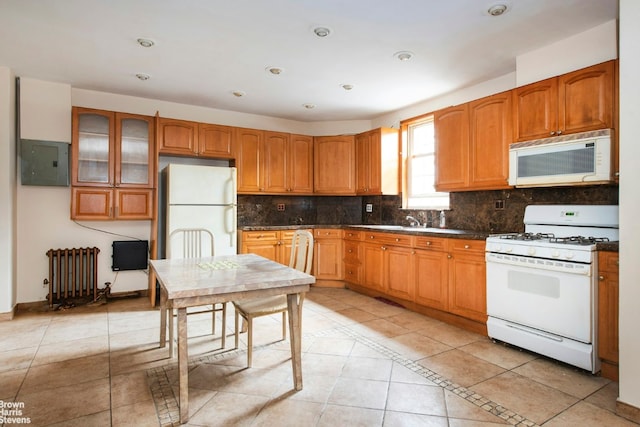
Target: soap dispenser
443,220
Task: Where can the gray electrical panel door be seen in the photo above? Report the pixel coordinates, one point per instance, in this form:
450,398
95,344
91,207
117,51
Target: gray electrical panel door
44,162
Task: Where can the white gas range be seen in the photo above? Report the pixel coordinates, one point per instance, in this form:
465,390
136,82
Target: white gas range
541,284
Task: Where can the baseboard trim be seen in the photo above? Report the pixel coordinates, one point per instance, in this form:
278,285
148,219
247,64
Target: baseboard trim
9,315
627,411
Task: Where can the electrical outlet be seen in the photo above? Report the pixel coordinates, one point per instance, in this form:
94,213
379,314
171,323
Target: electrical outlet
280,207
369,207
499,205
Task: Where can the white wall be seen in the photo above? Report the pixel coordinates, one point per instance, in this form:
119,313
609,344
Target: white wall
596,45
629,203
130,104
7,191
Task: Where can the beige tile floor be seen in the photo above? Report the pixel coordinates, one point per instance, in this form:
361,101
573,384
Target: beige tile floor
365,363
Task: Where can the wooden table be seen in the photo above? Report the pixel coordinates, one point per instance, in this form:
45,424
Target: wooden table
202,281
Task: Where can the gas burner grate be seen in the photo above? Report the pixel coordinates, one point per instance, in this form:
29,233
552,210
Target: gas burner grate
527,236
578,240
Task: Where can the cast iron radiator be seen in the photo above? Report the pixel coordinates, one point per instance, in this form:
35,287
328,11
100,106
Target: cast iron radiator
73,273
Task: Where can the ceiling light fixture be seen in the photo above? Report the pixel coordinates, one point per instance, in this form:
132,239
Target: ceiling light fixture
143,76
497,9
238,93
403,55
322,31
309,106
276,71
347,86
145,42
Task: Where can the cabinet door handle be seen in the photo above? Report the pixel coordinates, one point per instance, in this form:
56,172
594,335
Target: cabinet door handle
600,277
383,248
449,256
429,243
552,133
467,246
559,132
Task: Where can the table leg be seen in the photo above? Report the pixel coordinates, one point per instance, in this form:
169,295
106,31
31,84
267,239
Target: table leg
163,319
295,334
183,365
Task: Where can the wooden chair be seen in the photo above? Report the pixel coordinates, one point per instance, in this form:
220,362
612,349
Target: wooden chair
301,259
194,243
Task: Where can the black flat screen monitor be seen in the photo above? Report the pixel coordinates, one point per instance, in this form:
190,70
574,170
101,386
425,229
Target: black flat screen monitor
130,255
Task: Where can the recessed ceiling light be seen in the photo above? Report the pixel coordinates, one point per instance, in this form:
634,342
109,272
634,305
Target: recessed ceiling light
322,31
403,55
275,70
238,93
309,106
347,86
497,9
143,76
144,42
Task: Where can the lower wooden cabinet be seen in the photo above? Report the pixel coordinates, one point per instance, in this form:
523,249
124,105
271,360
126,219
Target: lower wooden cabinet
608,296
327,254
271,244
467,279
444,274
431,273
94,203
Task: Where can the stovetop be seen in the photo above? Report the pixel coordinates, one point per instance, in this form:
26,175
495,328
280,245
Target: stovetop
551,238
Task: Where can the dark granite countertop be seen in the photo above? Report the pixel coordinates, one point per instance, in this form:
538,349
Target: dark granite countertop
396,229
608,246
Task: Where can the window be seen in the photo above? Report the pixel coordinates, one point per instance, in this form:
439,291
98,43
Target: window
420,171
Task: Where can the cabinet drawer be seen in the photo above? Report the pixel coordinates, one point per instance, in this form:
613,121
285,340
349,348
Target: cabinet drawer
327,233
353,235
389,239
431,243
471,246
259,235
351,251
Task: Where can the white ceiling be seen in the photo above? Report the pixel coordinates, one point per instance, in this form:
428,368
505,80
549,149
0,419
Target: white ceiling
206,49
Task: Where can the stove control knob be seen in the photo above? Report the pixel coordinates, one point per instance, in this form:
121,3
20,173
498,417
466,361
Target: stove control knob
508,250
555,253
569,255
531,251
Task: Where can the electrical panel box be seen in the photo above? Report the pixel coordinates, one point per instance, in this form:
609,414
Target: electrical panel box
44,162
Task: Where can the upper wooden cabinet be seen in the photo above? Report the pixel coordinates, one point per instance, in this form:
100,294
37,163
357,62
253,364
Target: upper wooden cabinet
300,164
334,165
273,162
490,133
249,151
112,165
472,144
377,157
452,148
288,163
185,138
575,102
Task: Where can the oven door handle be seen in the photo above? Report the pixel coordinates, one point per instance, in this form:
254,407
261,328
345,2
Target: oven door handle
539,264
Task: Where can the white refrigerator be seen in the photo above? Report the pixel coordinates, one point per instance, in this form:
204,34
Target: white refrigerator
203,197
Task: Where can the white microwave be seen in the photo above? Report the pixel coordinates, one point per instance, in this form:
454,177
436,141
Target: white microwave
569,162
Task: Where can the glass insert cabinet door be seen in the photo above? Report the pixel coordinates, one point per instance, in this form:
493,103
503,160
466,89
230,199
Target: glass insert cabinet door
112,149
134,152
95,155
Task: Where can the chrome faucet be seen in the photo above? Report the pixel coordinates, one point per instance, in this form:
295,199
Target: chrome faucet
412,221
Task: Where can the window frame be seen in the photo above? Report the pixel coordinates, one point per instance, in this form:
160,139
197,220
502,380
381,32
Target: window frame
435,200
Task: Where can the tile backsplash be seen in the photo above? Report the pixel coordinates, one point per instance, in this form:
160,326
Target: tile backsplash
492,211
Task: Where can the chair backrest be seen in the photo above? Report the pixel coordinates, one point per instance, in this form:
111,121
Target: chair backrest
302,251
190,243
